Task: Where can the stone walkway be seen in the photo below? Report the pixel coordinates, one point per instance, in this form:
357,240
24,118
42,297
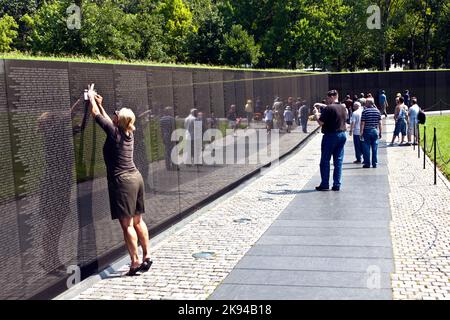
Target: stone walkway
420,226
323,245
385,235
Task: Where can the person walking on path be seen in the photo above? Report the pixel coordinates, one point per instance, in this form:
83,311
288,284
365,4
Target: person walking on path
125,183
288,118
400,117
371,133
413,112
355,130
383,103
333,123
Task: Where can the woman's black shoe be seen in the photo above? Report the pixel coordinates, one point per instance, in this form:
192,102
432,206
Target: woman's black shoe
145,266
134,271
320,188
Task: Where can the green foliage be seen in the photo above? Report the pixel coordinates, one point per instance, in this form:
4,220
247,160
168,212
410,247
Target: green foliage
177,25
7,32
205,45
326,34
240,48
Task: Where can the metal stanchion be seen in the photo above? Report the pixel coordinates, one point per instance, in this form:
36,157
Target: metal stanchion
414,145
424,145
417,139
435,164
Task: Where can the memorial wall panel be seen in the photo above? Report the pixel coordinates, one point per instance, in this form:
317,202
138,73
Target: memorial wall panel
428,93
216,90
241,97
202,96
41,140
229,91
12,279
183,93
98,234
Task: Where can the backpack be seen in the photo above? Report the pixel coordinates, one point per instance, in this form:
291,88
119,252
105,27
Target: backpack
421,117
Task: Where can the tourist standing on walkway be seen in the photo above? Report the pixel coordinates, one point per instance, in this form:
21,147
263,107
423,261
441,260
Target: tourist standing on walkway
406,97
232,118
249,111
304,115
278,113
400,118
413,122
355,130
168,125
125,183
383,103
268,119
288,118
332,119
349,105
371,133
189,125
296,110
212,121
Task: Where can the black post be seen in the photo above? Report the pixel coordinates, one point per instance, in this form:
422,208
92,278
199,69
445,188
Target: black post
417,140
414,146
424,145
435,164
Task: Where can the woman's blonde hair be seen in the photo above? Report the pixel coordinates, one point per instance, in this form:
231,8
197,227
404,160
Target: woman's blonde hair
126,119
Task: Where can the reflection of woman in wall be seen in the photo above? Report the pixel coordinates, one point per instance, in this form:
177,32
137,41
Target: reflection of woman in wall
125,183
140,151
55,183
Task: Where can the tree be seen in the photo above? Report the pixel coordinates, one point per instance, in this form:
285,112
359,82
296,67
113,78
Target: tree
7,32
206,44
50,33
177,25
240,48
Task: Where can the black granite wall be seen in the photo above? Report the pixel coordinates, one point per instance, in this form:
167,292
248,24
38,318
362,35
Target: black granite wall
53,189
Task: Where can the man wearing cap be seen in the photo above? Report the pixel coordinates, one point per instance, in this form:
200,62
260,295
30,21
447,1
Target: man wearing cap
333,123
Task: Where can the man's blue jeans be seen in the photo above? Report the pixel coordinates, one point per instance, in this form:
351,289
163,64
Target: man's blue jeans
358,147
370,142
332,146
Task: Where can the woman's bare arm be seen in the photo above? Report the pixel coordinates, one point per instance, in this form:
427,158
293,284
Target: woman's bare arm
99,100
94,107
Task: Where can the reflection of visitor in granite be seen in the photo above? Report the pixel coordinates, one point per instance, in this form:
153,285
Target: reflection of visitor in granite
212,121
168,125
140,149
125,182
189,125
55,185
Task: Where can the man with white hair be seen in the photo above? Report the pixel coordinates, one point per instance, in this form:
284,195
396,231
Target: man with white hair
355,126
413,112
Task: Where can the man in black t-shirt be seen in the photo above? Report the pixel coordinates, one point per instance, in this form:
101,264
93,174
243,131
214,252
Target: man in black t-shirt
332,119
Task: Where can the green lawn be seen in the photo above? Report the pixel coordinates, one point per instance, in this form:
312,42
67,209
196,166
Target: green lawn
442,125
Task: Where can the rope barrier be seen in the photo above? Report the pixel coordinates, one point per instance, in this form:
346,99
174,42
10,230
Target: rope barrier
445,163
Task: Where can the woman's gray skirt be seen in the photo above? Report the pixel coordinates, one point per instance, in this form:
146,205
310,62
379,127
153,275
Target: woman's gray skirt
126,195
